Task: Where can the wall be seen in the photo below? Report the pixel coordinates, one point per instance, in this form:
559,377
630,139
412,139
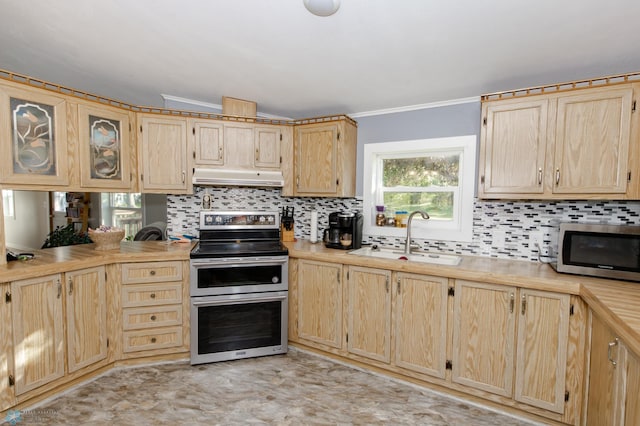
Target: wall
29,228
500,229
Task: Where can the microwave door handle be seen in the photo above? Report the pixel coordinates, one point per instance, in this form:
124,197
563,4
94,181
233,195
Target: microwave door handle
238,301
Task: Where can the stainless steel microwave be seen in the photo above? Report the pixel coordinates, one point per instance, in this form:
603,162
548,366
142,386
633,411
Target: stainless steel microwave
609,251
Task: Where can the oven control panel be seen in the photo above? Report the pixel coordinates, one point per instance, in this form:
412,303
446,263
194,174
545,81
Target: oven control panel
239,220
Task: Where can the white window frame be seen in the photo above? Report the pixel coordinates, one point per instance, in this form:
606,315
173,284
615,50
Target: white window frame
458,229
8,203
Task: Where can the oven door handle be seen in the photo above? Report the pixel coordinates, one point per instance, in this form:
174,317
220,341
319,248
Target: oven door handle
239,301
237,262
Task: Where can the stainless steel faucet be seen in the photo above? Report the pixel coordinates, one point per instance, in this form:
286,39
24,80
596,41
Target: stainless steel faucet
407,245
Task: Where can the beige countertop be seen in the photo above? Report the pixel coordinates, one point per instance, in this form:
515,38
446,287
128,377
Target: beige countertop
616,302
62,259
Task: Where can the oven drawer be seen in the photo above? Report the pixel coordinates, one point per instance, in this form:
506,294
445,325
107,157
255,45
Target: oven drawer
144,340
161,316
151,272
151,294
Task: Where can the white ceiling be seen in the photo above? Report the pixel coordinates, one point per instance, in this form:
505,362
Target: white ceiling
370,55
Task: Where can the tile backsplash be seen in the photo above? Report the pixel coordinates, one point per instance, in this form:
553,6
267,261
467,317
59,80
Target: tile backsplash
501,229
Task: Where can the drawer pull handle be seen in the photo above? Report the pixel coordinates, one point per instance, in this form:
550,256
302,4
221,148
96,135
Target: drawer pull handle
152,273
153,295
153,317
153,340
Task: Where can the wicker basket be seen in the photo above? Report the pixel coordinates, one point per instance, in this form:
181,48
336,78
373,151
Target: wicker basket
109,240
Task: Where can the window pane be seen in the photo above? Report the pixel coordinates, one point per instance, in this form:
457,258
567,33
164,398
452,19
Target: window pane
432,170
439,205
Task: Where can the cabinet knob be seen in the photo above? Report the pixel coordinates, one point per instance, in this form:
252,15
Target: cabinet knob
153,340
153,295
152,272
153,317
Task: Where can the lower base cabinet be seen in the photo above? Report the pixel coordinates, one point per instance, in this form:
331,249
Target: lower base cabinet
614,379
62,327
318,293
514,346
420,329
154,305
38,331
41,309
484,336
7,376
369,313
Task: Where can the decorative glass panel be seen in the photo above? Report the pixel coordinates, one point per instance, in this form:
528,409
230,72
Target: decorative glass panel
105,148
32,131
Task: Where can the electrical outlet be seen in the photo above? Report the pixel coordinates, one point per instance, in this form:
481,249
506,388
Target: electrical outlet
535,240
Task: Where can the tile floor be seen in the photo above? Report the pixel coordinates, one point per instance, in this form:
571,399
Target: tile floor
294,389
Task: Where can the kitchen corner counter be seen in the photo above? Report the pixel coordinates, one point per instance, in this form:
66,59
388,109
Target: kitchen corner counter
616,302
69,258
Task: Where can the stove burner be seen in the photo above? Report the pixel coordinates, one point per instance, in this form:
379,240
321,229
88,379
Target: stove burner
239,234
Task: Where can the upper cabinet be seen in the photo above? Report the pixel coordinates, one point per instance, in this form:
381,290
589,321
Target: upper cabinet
55,138
324,159
107,154
34,149
163,154
565,145
236,145
208,146
266,144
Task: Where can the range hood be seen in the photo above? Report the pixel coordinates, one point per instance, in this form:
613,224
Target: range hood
222,177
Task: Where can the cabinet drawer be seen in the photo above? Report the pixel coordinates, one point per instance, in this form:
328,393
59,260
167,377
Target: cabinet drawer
161,316
145,340
151,294
151,272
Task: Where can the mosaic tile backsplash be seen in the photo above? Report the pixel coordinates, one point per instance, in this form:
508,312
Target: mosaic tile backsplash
501,229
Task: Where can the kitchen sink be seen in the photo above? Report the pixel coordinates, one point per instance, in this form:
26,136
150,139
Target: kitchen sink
418,256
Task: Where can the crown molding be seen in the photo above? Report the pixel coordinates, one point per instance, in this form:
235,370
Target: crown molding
416,107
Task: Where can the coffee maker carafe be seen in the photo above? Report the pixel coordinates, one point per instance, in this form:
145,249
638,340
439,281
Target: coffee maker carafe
344,231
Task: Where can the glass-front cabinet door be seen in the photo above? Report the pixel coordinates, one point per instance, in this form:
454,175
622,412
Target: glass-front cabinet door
104,148
34,139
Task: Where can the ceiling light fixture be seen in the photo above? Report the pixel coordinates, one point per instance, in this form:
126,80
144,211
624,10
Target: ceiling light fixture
322,7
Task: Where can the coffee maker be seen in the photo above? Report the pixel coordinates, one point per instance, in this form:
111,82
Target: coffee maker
344,231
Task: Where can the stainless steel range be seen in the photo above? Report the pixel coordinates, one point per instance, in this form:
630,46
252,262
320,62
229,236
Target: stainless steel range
239,287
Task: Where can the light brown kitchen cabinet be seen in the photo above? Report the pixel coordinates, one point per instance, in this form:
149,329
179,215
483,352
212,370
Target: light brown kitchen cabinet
33,128
7,377
107,154
239,146
369,313
421,323
319,303
154,308
592,142
38,331
484,336
267,149
324,159
86,317
163,154
514,140
602,397
614,379
632,390
208,142
541,362
556,146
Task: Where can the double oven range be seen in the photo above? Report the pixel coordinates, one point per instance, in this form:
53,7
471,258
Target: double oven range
239,287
